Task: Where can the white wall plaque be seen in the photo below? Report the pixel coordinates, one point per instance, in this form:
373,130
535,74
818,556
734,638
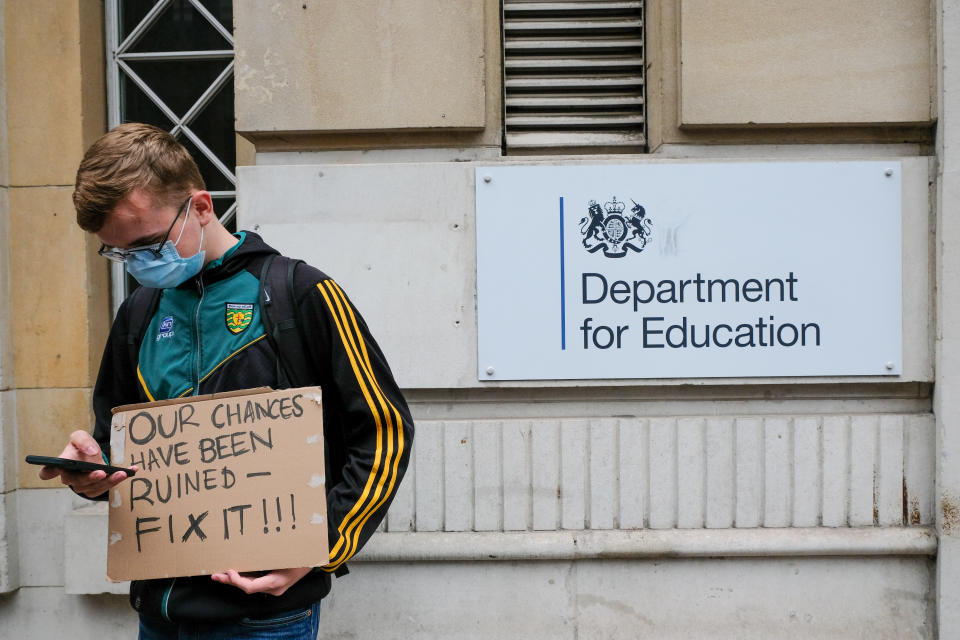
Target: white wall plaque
689,270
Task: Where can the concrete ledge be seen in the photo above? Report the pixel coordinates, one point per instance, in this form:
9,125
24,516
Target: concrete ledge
85,546
665,543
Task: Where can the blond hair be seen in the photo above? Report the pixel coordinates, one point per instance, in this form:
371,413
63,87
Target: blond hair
128,157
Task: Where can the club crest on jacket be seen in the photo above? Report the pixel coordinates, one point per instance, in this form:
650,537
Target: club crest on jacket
238,316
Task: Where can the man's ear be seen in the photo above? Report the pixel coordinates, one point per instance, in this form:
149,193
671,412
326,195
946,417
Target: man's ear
202,205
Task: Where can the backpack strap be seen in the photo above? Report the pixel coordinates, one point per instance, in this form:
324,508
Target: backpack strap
279,312
279,316
140,308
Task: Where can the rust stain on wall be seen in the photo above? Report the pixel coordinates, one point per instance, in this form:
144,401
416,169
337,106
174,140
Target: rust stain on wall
905,502
951,514
914,511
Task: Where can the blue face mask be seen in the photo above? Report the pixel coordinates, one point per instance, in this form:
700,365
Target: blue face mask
169,269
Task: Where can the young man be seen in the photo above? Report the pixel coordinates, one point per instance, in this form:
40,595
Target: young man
140,192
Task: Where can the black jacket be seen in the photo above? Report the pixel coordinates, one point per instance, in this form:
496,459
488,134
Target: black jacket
367,426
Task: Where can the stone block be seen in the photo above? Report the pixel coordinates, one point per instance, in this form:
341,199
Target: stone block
93,81
756,598
917,272
44,126
85,552
8,441
346,220
57,291
613,599
948,601
329,66
9,543
246,152
763,62
4,155
40,528
6,344
453,600
46,612
45,419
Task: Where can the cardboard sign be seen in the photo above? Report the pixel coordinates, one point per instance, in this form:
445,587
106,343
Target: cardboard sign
226,481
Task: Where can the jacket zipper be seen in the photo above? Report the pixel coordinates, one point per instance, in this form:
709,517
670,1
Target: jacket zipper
165,604
196,328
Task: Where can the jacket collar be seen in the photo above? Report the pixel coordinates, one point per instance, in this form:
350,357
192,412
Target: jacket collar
237,258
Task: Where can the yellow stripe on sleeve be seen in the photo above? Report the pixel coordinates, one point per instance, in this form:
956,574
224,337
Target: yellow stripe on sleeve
350,527
394,422
343,547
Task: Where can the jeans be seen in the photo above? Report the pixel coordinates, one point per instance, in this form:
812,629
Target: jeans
301,624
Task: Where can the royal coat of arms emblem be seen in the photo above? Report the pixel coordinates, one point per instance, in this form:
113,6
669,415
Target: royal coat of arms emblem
614,232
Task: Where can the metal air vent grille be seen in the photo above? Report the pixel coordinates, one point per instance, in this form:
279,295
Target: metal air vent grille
573,74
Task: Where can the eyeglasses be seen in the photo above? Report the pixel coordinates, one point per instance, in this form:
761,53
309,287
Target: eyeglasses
115,254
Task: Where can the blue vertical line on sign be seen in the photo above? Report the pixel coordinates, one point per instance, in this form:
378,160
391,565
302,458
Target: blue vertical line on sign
563,288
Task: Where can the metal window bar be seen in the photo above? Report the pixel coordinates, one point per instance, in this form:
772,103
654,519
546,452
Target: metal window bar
180,125
180,55
119,54
573,75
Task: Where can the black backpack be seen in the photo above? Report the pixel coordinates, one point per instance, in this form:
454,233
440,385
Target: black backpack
278,312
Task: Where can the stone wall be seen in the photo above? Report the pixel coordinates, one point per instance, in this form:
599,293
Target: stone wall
801,507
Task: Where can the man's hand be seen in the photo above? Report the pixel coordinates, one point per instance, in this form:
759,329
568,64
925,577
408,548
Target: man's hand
83,447
274,582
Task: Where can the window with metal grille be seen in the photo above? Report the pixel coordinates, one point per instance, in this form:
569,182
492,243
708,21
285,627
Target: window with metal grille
573,75
170,64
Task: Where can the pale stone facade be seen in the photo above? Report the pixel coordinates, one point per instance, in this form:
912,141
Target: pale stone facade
810,67
801,507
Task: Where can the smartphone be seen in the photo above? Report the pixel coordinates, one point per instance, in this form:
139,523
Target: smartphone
76,465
